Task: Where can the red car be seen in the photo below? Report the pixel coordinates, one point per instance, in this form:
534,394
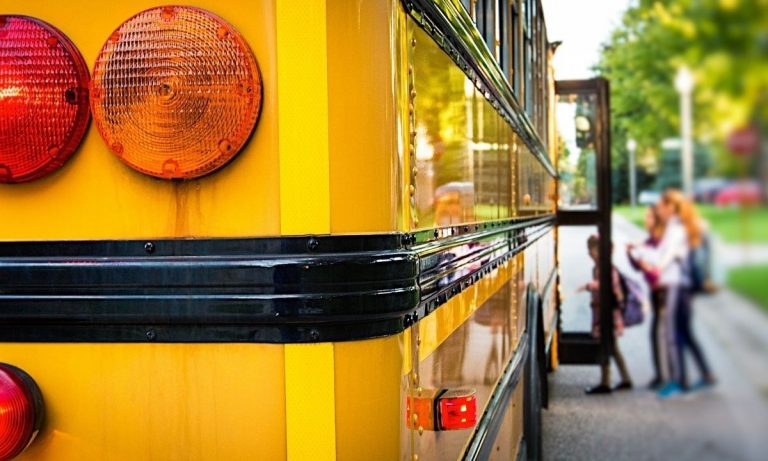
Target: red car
746,193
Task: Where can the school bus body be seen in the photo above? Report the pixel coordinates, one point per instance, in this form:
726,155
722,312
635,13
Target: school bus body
352,90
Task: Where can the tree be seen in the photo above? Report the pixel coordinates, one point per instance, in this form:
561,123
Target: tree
724,42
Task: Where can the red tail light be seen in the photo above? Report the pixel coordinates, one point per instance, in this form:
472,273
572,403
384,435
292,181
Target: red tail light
43,98
458,410
21,411
176,92
441,409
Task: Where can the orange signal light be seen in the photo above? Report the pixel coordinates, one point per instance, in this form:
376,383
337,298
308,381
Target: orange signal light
176,92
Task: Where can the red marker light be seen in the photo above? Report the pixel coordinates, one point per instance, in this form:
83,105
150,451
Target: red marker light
21,411
441,410
458,409
43,98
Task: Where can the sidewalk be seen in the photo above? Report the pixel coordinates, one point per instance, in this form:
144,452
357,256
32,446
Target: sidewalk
726,423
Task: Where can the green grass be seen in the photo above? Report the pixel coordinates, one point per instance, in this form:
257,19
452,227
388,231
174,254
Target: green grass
750,282
732,224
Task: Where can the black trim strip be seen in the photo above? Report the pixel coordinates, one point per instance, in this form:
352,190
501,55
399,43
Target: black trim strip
453,30
275,289
485,431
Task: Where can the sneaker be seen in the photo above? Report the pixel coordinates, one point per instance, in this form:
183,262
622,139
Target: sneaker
655,384
670,389
599,389
703,384
623,386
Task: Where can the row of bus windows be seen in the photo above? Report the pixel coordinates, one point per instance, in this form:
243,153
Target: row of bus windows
515,33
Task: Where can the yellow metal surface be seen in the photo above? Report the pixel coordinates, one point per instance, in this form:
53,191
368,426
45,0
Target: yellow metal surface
362,114
303,116
310,402
156,402
369,398
95,196
437,327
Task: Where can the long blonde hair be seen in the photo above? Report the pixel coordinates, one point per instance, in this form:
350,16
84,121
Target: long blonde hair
687,213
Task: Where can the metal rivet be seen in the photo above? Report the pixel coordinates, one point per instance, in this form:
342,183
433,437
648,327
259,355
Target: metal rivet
413,42
312,244
314,334
151,335
421,430
411,189
149,247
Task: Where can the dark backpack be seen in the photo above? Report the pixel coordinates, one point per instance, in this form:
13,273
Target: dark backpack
632,308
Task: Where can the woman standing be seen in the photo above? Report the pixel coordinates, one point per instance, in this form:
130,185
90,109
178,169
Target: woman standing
681,233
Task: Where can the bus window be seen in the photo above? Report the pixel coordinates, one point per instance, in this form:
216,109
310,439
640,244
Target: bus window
469,5
515,71
504,36
486,23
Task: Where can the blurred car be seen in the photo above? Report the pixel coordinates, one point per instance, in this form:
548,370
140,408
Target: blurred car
706,189
742,192
648,197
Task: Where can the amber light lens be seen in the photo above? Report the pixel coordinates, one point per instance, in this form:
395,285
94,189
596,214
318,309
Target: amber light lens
43,98
176,92
21,411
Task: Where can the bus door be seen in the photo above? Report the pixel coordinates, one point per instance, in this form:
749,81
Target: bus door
584,221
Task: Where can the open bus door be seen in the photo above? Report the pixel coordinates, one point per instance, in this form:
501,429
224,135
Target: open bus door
583,210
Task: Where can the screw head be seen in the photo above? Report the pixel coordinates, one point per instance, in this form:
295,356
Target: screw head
151,335
149,247
313,244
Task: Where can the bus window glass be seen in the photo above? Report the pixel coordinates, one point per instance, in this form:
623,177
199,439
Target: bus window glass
515,71
504,36
577,162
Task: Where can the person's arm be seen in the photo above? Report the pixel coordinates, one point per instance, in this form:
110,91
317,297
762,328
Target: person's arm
616,284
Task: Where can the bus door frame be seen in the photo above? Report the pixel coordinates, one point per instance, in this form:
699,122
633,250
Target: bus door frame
581,348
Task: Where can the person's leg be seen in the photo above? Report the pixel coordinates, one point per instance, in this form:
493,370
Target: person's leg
670,332
681,335
672,386
692,342
657,339
626,379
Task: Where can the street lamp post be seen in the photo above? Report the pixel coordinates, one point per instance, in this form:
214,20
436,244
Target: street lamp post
632,147
684,85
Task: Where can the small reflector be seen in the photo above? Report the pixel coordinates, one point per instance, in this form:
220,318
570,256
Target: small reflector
458,409
176,92
441,409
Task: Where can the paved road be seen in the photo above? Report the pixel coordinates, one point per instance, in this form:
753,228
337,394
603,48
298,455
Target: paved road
729,422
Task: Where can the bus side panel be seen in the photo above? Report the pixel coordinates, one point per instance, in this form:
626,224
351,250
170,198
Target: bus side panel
363,114
370,398
164,402
466,344
96,196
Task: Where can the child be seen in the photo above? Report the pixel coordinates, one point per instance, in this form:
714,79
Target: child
643,258
618,324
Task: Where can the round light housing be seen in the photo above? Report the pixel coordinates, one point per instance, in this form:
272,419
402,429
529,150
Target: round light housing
43,98
176,92
21,411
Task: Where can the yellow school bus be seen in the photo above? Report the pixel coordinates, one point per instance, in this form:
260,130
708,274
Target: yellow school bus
270,230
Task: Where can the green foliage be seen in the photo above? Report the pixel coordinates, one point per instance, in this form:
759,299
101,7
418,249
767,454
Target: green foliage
732,224
749,281
724,43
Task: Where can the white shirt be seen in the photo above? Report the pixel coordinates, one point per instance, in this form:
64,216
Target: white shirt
673,254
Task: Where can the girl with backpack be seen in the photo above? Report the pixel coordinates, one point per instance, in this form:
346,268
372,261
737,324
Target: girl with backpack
642,257
618,323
